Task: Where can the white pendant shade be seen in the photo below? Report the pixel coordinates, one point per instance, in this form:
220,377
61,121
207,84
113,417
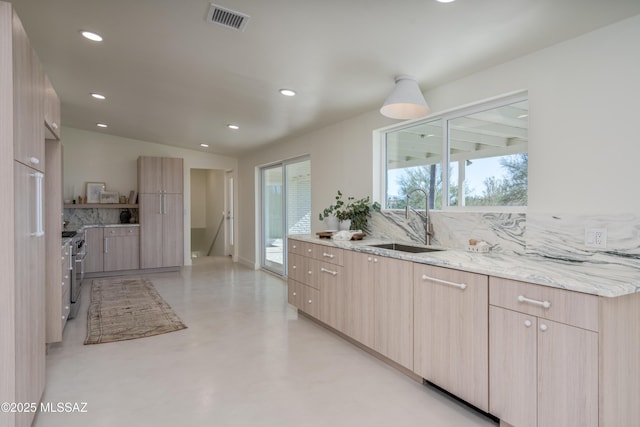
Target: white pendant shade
406,100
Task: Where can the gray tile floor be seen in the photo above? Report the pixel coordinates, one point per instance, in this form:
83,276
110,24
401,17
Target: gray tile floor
246,359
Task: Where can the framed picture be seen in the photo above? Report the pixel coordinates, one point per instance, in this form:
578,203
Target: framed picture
109,197
93,191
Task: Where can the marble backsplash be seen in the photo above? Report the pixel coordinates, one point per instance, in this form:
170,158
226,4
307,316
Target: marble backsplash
559,237
504,232
99,216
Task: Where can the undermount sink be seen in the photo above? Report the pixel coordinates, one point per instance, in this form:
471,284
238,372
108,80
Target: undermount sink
405,248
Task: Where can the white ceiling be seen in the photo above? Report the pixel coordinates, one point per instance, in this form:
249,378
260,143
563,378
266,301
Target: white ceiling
172,78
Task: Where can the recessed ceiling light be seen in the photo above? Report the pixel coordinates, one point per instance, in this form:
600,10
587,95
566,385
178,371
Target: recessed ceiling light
522,116
204,145
91,36
98,96
287,92
232,126
445,1
101,125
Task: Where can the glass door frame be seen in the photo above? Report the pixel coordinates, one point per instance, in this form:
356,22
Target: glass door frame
263,215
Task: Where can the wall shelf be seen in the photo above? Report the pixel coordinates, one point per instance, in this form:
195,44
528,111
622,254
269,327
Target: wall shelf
101,206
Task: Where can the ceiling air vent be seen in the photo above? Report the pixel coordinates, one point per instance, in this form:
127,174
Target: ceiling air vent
227,18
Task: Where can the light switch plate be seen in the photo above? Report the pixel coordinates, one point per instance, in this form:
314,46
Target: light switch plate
595,237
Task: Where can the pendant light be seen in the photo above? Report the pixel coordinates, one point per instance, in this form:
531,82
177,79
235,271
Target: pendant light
406,100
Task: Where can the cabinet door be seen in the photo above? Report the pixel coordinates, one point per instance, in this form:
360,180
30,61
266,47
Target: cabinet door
28,100
29,292
122,249
172,231
295,266
332,295
94,261
452,331
172,175
567,376
51,110
149,175
513,356
359,292
151,231
295,293
393,284
311,302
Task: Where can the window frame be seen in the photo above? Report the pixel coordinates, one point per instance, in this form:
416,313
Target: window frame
380,141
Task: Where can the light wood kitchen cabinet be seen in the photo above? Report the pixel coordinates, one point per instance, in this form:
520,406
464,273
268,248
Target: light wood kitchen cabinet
161,230
359,297
543,372
121,248
112,249
59,299
332,294
160,182
94,240
28,100
393,298
51,110
379,304
22,283
160,175
29,292
451,331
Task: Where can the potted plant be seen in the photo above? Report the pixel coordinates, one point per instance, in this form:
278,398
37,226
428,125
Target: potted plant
359,212
333,214
350,214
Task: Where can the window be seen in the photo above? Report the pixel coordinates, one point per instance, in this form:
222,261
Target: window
485,149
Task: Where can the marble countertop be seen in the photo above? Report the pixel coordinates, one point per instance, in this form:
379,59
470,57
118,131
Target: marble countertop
607,279
77,227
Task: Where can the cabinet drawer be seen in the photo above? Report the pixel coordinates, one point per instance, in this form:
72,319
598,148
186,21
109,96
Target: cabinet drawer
311,301
121,231
295,293
572,308
300,248
328,254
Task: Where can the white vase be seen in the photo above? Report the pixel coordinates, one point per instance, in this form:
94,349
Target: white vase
345,224
331,222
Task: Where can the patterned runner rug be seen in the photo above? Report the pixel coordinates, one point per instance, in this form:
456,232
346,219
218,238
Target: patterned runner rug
126,309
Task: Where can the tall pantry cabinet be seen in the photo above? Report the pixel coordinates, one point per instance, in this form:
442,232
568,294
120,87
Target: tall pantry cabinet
160,184
22,258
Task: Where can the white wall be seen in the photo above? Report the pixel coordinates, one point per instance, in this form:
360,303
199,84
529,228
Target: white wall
583,97
97,157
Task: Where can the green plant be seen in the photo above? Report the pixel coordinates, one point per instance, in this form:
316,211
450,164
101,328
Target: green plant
359,212
335,209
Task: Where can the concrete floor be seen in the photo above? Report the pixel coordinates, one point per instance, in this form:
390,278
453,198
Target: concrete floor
246,359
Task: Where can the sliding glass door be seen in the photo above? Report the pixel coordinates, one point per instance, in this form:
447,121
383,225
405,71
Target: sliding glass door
286,209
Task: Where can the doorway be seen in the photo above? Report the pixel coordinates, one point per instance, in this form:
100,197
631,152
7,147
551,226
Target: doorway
208,213
285,209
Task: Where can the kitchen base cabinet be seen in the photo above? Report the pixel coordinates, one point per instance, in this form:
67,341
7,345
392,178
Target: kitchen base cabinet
94,239
112,249
121,248
451,331
543,372
393,313
359,297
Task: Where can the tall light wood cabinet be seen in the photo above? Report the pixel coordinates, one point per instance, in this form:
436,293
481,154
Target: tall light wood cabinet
452,332
160,184
22,259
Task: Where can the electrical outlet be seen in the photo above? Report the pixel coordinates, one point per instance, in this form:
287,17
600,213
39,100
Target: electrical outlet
595,237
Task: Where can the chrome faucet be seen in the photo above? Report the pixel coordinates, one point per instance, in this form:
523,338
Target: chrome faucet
428,229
